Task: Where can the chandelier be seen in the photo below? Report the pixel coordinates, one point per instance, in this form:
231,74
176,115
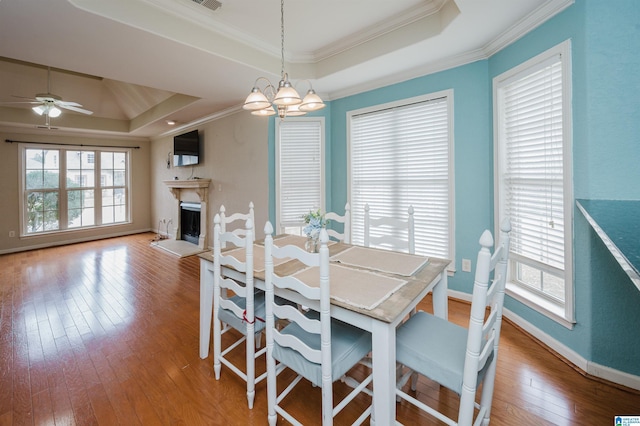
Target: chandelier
285,100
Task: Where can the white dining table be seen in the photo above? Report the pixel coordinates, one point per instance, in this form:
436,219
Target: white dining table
381,321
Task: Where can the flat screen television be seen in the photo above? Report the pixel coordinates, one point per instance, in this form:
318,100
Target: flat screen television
186,149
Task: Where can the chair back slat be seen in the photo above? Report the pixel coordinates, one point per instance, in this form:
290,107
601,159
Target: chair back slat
229,284
239,230
289,341
345,235
288,312
390,232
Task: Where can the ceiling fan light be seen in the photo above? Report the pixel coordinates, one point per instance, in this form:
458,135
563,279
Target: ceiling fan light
311,102
54,112
256,101
40,109
286,95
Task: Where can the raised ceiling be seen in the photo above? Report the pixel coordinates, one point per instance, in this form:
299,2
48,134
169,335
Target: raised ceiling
139,63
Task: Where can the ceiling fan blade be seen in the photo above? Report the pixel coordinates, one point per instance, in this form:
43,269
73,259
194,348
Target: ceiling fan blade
76,109
64,104
24,97
19,102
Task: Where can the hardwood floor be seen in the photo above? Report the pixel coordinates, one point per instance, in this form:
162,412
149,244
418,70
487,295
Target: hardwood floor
106,333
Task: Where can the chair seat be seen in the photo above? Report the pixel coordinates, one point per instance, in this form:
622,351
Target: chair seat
435,348
349,345
259,311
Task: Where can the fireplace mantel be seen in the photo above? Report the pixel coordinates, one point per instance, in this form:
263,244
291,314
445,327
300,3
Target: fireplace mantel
200,187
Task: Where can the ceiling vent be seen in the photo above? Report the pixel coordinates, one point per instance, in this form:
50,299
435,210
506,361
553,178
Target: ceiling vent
211,4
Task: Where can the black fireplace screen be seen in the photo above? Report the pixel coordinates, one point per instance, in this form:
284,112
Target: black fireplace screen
190,222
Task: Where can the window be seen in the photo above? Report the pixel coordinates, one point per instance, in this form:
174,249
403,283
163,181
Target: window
400,155
299,168
533,158
72,188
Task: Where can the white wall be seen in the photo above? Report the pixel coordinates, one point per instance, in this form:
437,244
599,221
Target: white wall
234,148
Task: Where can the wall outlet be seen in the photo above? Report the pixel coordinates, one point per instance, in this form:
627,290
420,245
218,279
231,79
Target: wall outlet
466,265
12,234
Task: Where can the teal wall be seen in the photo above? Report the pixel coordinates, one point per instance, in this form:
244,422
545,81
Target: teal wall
605,39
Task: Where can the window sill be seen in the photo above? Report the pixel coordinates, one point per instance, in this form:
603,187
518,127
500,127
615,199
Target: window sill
71,230
544,306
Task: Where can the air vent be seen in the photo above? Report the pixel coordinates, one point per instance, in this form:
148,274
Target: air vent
211,4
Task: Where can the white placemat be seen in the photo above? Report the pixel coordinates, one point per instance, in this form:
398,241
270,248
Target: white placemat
356,287
392,262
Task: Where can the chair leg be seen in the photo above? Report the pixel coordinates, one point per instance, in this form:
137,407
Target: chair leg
217,341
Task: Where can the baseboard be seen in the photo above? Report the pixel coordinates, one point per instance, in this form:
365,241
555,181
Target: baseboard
568,355
74,241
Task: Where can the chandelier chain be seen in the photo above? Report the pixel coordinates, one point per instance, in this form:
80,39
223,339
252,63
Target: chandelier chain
282,38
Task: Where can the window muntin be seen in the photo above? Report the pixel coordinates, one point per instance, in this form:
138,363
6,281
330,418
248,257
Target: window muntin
533,145
60,187
400,155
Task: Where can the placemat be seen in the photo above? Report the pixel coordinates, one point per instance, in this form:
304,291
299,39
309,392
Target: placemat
356,287
381,260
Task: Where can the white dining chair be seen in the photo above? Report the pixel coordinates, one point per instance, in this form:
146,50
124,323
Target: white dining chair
345,219
456,357
313,345
238,230
390,232
244,311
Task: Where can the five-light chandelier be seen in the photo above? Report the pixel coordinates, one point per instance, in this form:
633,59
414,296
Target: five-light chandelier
285,100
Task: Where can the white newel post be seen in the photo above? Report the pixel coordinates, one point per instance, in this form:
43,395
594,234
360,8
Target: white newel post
201,188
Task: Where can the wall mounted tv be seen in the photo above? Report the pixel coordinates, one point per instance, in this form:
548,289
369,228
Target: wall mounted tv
186,149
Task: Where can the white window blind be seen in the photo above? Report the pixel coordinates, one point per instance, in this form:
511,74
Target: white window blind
400,156
533,172
299,168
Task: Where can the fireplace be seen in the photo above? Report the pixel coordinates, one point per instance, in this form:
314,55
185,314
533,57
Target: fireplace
190,222
192,217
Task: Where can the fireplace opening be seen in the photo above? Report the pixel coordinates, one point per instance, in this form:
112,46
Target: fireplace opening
190,222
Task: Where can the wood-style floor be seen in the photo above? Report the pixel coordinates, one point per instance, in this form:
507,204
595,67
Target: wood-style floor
106,333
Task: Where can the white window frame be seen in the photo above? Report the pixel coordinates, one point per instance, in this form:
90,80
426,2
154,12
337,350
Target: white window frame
561,312
293,226
358,214
62,190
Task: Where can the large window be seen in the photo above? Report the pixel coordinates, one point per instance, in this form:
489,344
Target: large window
401,156
534,187
73,188
299,168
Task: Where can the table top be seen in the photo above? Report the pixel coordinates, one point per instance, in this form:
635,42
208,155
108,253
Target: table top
389,309
617,223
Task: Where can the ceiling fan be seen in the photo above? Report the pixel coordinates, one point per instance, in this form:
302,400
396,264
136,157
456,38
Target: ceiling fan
48,104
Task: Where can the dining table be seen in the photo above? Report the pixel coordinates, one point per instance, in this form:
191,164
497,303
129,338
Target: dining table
372,289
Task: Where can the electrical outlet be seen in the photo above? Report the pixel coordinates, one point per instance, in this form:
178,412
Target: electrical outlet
466,265
12,234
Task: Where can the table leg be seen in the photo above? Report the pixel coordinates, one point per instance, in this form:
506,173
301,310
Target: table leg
384,373
206,307
440,299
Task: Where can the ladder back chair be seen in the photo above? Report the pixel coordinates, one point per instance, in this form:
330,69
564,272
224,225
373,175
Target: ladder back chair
345,219
313,345
456,357
244,311
240,230
390,232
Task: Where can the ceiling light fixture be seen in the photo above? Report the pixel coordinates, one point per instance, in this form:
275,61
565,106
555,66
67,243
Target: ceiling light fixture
47,109
284,100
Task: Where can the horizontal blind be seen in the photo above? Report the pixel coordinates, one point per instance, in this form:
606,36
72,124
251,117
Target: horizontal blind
533,175
300,169
400,157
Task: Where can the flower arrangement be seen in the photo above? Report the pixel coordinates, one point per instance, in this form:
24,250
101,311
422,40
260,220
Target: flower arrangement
315,221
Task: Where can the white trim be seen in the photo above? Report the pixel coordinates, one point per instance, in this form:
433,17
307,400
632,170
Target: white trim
591,368
76,240
448,94
562,50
